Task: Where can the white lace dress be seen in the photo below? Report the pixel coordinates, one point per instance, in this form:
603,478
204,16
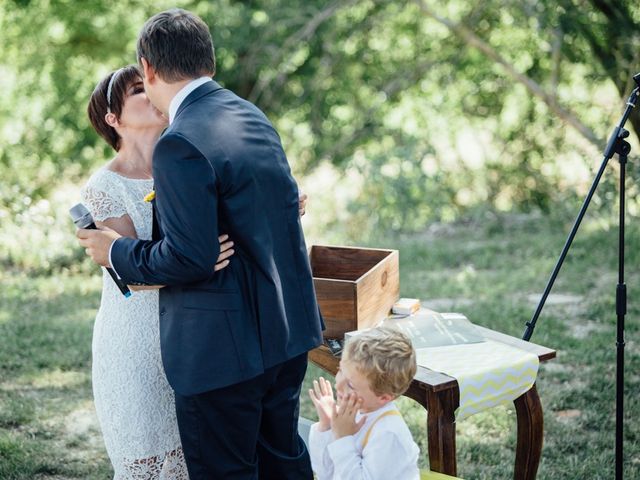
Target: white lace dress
134,402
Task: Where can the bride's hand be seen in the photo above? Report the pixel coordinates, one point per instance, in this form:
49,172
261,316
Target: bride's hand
225,252
302,203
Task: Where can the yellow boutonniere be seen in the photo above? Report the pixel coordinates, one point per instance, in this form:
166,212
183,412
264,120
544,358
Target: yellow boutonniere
150,196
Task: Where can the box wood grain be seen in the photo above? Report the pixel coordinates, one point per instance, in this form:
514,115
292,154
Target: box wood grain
355,287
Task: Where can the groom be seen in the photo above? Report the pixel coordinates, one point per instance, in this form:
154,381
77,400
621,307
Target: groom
234,342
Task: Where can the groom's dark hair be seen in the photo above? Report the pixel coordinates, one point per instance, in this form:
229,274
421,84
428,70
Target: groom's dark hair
178,45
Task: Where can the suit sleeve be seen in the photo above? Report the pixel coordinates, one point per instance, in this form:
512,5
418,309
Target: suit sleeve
187,202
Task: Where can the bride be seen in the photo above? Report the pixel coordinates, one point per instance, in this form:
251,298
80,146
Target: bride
133,400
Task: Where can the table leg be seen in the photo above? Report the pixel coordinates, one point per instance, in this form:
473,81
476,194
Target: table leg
441,431
530,426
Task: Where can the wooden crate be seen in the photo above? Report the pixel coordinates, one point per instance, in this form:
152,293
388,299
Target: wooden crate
355,287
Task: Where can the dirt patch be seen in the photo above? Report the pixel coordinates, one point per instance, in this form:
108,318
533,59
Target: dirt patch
446,304
556,299
581,328
566,416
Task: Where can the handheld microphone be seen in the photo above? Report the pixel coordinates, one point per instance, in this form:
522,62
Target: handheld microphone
83,219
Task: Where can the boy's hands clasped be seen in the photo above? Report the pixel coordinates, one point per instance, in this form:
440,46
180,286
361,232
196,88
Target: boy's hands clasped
322,398
341,419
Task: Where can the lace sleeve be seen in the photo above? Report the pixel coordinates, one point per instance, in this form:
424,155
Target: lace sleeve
102,204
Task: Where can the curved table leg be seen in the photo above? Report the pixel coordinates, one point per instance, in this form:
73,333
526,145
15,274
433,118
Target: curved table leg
441,431
530,425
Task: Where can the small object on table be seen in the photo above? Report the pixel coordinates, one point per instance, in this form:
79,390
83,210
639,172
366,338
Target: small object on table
406,306
335,346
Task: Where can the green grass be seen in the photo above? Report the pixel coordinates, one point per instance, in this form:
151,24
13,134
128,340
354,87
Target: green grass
493,271
47,422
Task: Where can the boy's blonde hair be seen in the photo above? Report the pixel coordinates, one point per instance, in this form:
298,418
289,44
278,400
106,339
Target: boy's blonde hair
385,357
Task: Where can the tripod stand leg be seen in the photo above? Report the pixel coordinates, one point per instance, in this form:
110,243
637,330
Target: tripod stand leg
617,144
621,310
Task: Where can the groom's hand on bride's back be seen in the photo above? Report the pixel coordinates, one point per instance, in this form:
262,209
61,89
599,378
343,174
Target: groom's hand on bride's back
97,243
302,203
223,260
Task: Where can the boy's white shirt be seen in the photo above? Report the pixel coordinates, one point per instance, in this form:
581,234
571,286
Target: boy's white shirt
390,451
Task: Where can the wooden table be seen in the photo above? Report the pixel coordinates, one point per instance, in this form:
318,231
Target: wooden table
440,396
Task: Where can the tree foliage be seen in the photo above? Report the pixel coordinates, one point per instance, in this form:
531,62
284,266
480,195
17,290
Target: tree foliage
460,103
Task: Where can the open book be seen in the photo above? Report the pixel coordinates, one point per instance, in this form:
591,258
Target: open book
427,328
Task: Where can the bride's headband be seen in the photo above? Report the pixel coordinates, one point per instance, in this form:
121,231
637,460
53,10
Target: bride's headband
110,87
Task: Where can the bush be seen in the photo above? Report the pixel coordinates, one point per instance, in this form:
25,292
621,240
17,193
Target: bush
39,237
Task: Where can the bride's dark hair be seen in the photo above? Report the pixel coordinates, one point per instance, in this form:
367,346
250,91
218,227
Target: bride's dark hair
99,106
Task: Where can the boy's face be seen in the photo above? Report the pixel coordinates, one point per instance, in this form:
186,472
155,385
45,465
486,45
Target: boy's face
350,380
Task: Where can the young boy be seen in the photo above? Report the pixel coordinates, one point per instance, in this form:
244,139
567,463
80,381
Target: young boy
360,434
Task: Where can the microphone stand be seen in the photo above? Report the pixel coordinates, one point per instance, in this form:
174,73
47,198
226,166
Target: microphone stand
617,144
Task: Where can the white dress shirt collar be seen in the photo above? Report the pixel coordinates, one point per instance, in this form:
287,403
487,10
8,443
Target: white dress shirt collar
184,93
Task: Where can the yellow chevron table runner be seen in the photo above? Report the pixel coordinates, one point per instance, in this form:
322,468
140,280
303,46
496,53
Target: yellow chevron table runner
488,373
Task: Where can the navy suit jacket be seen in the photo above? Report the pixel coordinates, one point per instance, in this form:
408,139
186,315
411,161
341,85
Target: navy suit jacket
220,168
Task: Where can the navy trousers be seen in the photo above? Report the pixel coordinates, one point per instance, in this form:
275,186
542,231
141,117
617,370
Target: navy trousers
249,430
